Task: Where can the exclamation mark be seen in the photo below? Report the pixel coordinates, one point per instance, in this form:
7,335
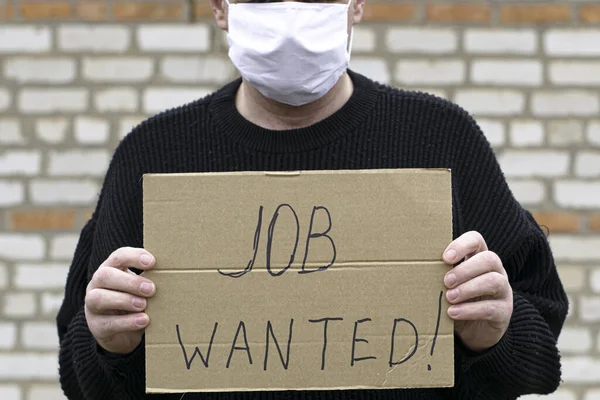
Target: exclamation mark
437,328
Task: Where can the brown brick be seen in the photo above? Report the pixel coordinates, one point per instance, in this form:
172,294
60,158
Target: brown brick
39,10
34,220
559,221
590,13
389,12
6,12
148,11
477,13
534,13
594,223
92,10
203,10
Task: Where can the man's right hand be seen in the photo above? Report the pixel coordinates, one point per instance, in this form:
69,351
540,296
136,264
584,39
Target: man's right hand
115,300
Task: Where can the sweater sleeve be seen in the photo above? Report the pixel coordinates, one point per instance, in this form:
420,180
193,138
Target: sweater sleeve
526,360
85,371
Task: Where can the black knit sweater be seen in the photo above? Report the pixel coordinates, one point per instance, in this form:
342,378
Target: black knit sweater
379,127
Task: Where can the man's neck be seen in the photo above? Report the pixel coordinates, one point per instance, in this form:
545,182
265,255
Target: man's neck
273,115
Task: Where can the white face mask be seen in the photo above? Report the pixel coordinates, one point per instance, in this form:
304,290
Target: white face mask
291,52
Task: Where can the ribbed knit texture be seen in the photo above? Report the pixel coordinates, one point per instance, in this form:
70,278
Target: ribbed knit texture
379,127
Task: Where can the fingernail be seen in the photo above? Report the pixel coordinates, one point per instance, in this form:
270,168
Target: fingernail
146,259
451,255
450,280
453,312
138,303
452,294
142,320
147,288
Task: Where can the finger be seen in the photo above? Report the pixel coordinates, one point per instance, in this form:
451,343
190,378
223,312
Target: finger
491,284
486,310
477,265
465,246
106,326
101,301
130,257
118,280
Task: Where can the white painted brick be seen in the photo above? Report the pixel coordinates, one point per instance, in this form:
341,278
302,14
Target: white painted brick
67,192
573,277
29,366
575,73
63,247
10,392
40,276
560,394
500,102
500,41
3,275
94,38
432,72
577,194
20,162
593,133
575,340
53,100
422,40
19,305
494,131
572,307
116,100
595,281
40,70
363,40
577,370
587,164
375,68
8,335
565,133
579,43
174,38
10,131
593,394
526,133
161,99
39,336
17,246
122,69
5,99
589,309
46,392
24,39
126,125
566,103
78,163
11,193
188,69
504,72
90,130
51,303
575,248
528,192
534,163
52,130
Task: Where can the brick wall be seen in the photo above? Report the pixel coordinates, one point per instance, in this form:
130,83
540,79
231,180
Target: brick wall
76,76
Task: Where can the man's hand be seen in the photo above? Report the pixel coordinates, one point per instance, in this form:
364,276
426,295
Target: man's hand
115,300
479,292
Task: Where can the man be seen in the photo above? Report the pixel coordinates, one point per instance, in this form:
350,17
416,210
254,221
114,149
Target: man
298,107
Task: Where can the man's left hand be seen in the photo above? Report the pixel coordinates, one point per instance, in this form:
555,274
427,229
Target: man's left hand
479,292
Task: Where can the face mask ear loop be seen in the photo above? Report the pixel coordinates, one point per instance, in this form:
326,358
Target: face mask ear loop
351,39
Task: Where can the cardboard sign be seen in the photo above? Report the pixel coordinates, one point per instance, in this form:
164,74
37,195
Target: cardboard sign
301,281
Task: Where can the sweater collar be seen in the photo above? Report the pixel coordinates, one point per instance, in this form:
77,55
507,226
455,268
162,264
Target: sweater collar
230,122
